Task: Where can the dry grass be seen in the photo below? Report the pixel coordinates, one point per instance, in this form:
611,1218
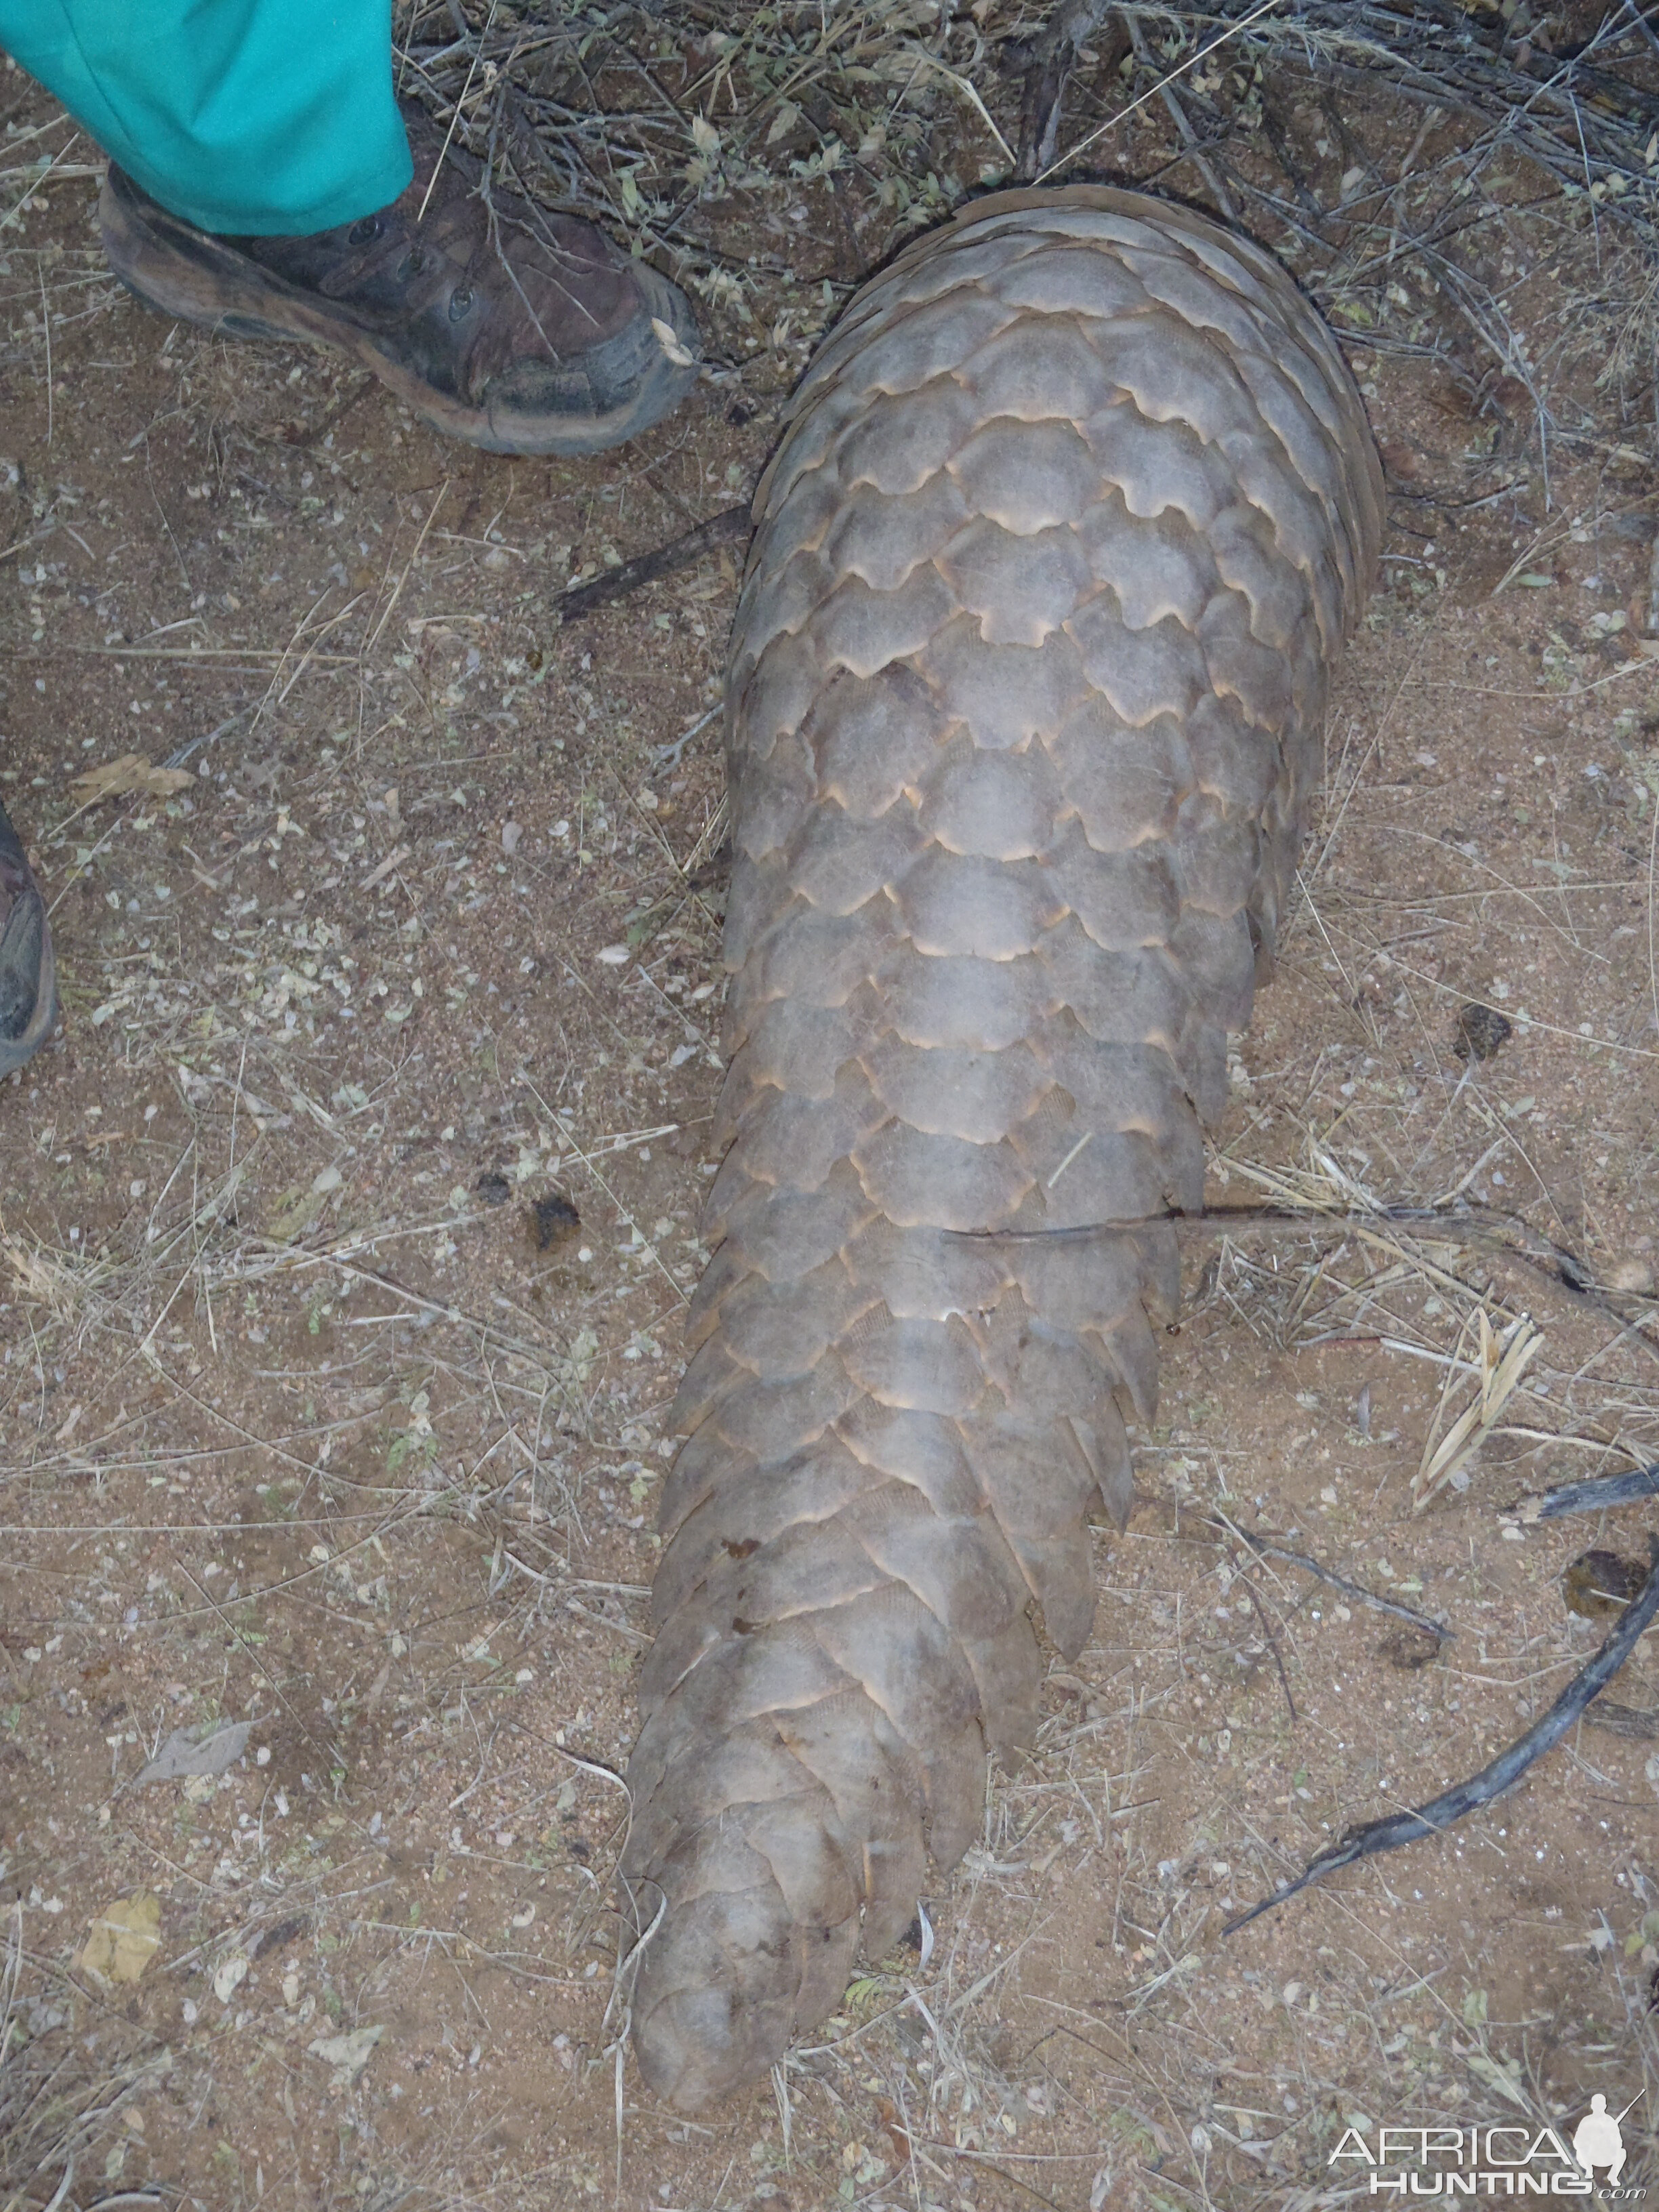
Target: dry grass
779,98
70,2072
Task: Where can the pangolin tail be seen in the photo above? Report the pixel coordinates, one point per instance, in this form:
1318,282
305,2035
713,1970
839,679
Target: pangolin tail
1026,687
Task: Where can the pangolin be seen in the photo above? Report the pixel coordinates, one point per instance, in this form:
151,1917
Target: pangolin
1072,514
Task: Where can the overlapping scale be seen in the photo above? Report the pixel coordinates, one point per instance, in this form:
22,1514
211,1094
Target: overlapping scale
1025,688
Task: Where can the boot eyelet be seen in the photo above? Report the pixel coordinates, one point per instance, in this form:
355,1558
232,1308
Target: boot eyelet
411,265
364,232
460,304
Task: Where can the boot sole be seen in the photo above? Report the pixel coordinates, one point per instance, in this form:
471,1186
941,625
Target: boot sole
177,270
16,1052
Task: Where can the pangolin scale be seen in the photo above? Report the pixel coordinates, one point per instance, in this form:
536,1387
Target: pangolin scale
1074,513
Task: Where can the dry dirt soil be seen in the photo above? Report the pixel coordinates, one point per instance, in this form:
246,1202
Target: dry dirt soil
347,1228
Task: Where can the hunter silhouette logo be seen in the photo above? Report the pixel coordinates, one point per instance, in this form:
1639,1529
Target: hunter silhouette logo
1598,2141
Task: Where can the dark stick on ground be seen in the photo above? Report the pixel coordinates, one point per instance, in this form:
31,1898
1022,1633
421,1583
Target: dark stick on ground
1272,1642
1482,1227
1265,1548
1493,1781
1474,1224
1595,1495
1565,1277
1631,1722
305,436
1278,140
1195,151
1486,1227
730,526
1050,57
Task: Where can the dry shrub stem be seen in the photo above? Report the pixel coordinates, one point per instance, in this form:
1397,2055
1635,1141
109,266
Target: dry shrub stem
1493,1780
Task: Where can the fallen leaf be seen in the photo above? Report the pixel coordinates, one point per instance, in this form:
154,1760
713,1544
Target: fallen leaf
347,2054
230,1975
124,1938
132,772
897,2132
183,1754
669,339
294,1213
394,858
1502,2076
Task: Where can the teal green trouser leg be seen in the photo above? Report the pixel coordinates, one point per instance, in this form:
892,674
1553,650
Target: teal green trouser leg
257,117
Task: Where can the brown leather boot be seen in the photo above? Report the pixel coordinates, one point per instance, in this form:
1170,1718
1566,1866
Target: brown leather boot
524,332
28,989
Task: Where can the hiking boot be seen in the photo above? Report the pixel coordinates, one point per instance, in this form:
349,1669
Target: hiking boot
533,335
28,980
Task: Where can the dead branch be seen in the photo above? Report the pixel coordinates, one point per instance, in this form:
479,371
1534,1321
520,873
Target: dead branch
730,526
1049,59
1585,123
1565,1279
1594,1495
1497,1778
1631,1722
1265,1548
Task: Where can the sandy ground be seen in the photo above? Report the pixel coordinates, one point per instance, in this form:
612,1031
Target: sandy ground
348,1225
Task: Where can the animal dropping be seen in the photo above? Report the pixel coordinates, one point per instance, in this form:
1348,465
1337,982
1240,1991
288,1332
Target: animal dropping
551,1222
1482,1032
1074,511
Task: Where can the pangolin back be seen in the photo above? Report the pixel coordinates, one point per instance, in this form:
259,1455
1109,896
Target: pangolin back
1026,685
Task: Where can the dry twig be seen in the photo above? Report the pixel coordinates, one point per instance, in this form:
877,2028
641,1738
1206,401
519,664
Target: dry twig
730,526
1493,1780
